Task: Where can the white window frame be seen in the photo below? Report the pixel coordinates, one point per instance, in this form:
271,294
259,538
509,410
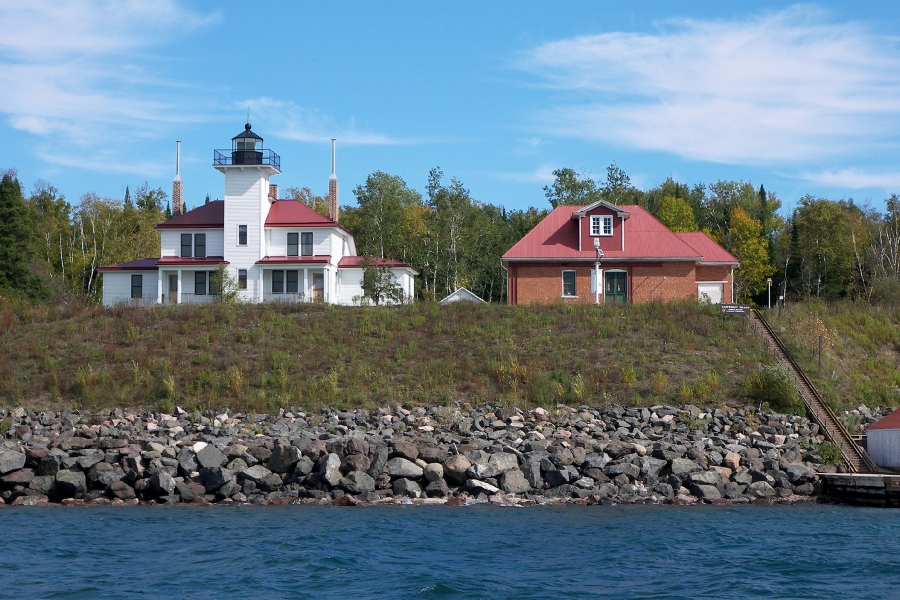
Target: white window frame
574,283
246,235
601,225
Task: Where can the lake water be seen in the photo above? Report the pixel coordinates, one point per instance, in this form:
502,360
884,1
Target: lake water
450,552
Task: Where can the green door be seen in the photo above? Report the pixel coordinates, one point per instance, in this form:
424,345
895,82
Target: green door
616,288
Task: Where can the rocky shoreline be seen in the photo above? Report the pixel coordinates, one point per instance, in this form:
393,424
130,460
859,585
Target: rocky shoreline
436,455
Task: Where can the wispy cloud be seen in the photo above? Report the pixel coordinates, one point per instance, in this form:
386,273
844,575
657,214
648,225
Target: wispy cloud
855,179
784,87
71,69
290,121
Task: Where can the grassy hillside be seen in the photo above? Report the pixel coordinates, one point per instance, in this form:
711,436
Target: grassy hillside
860,355
262,357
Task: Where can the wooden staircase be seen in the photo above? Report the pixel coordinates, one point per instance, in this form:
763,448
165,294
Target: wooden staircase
856,458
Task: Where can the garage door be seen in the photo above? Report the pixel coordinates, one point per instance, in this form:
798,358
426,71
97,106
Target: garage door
710,292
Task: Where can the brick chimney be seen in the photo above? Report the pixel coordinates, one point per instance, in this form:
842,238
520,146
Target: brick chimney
177,201
332,189
273,191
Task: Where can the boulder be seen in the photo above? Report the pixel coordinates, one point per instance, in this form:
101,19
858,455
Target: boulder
283,459
617,448
44,484
683,466
379,458
10,460
705,492
476,486
122,490
163,483
358,482
798,474
401,467
705,478
355,462
210,457
215,477
304,466
455,468
594,460
405,450
760,489
405,487
330,469
70,484
30,500
434,471
14,478
437,489
732,460
514,482
256,473
356,445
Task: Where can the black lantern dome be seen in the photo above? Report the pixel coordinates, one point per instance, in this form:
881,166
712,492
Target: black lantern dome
246,148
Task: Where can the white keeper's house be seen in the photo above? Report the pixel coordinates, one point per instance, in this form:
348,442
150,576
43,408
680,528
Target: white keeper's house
275,249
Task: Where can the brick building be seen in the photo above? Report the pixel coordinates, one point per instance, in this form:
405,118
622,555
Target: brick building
637,259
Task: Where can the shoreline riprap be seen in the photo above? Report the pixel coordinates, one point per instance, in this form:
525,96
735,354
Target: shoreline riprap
502,455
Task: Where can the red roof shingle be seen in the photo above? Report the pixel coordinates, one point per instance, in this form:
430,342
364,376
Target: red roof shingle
292,213
204,216
556,237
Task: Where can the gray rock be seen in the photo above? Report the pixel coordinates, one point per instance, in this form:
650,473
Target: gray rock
211,457
503,462
434,471
10,461
437,489
629,469
705,478
584,483
705,492
651,466
284,458
71,484
665,490
330,469
163,483
405,450
400,467
455,468
304,466
215,477
683,466
556,477
256,473
187,461
107,478
513,481
474,485
379,458
44,484
358,482
799,474
86,462
49,465
356,445
594,460
760,489
405,487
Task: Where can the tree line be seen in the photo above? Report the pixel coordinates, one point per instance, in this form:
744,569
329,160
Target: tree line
50,249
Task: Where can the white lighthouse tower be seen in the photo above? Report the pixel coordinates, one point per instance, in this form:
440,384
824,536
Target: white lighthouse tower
247,168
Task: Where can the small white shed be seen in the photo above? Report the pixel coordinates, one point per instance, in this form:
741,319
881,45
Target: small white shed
462,295
883,441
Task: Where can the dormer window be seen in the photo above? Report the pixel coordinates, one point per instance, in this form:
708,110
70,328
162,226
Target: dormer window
601,225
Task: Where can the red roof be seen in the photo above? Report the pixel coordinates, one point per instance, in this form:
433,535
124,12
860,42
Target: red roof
707,247
204,216
145,264
556,237
269,260
892,421
166,261
349,262
293,213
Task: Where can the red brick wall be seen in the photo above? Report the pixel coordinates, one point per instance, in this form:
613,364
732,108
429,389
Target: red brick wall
647,282
662,282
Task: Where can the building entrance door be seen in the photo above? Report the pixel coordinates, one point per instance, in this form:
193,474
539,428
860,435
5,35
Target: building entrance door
318,292
617,287
173,288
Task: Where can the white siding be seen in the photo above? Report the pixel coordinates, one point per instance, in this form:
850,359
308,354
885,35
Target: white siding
883,446
117,287
246,191
170,240
349,286
277,240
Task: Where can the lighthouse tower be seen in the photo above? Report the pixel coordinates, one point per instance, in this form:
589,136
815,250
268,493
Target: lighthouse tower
247,168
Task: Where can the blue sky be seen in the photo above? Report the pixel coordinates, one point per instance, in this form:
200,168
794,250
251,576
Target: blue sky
803,98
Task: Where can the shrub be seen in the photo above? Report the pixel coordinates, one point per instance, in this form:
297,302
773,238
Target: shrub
773,384
659,384
829,453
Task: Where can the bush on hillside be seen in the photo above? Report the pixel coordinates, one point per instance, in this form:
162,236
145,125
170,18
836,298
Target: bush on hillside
773,384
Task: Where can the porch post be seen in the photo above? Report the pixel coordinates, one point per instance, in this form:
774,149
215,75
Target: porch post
305,287
178,295
159,285
260,287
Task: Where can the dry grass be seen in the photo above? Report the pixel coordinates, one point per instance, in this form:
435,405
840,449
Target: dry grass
860,350
263,357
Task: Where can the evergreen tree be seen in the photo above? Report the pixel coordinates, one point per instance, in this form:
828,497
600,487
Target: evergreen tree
16,237
168,211
128,204
207,199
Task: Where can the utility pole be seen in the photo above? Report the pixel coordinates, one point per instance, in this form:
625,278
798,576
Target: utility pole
769,282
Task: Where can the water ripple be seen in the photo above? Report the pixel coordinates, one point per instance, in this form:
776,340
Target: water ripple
442,552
